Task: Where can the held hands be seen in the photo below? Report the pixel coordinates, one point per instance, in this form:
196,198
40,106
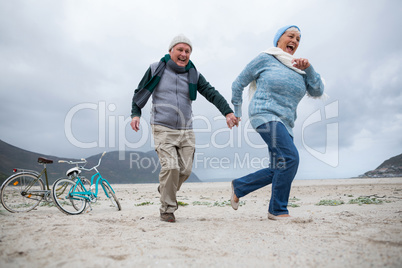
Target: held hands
232,120
135,123
300,63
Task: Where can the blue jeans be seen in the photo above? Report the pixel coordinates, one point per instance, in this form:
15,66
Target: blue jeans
284,161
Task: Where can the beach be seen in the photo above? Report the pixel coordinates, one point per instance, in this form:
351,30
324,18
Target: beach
358,224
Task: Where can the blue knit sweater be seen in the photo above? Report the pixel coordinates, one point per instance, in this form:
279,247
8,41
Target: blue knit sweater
279,91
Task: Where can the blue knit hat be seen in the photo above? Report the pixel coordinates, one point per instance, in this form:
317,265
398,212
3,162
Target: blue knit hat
281,31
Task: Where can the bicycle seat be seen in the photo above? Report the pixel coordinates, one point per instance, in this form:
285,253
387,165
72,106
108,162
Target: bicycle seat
42,160
72,170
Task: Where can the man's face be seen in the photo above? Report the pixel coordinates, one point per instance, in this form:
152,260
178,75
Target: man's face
180,54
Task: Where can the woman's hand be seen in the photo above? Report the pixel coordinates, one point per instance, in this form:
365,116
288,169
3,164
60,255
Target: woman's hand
231,120
301,64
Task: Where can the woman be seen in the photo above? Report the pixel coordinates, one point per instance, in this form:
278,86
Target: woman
278,81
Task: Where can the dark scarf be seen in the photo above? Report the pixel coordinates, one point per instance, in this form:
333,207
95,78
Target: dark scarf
143,94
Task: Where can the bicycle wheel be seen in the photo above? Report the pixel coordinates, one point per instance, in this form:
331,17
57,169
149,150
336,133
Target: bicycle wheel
111,195
84,186
22,192
69,196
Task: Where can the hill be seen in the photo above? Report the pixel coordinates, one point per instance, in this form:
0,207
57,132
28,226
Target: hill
137,167
389,168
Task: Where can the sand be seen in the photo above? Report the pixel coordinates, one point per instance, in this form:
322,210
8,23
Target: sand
208,233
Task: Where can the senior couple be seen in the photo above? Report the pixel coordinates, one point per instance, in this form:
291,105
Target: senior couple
278,81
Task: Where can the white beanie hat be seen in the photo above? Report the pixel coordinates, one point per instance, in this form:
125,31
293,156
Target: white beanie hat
181,38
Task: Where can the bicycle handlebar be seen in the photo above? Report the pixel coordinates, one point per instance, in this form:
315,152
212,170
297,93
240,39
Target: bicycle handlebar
83,160
94,167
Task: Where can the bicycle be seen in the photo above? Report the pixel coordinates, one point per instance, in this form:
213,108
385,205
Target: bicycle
72,196
23,191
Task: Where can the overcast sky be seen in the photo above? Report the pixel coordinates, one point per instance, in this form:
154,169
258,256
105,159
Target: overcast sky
69,69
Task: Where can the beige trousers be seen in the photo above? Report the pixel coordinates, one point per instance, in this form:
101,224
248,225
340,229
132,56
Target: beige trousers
175,150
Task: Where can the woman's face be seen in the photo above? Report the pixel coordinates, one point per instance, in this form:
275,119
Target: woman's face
289,42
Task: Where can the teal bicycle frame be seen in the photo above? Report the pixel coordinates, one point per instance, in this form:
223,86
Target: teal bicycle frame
72,198
89,195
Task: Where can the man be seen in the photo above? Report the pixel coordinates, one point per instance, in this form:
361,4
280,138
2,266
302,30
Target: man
173,84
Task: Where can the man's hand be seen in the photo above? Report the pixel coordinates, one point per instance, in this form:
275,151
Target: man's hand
231,120
135,123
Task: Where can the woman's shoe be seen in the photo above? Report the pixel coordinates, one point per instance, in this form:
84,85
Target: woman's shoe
279,217
235,205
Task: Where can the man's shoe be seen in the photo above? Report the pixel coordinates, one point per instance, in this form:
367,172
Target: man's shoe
235,205
168,217
279,217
